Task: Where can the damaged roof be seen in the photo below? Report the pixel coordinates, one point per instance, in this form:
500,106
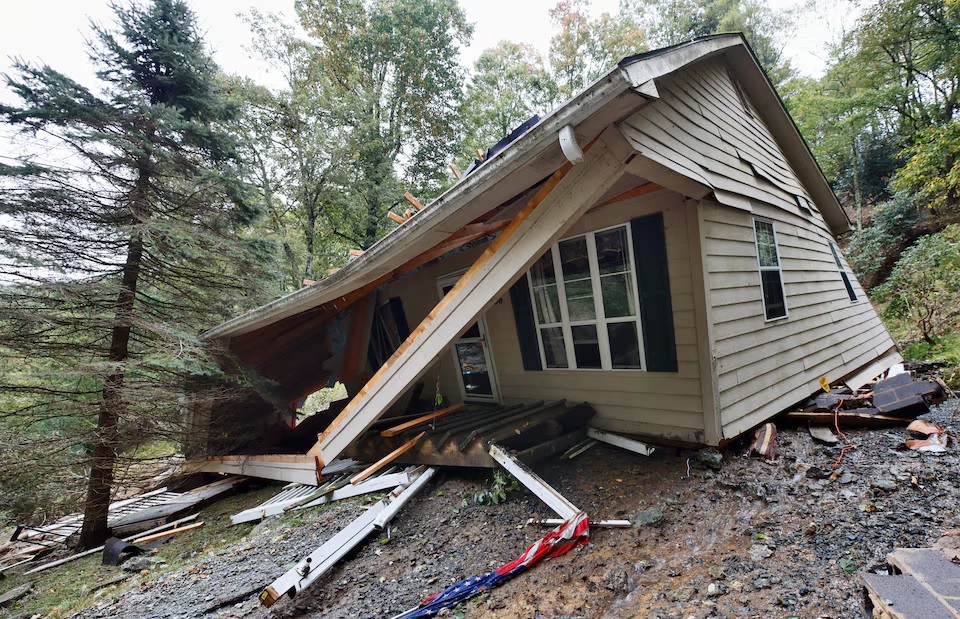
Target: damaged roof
535,154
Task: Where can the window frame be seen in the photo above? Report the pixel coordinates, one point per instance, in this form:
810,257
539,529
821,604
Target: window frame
600,321
844,276
761,269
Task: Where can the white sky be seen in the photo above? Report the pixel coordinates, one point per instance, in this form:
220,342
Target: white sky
53,31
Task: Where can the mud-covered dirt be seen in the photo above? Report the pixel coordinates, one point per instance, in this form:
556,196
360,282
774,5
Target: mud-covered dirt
748,538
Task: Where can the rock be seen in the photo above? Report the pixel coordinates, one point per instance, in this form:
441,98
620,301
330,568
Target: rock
682,594
759,552
717,572
616,580
710,458
715,589
15,594
650,516
136,564
846,478
884,484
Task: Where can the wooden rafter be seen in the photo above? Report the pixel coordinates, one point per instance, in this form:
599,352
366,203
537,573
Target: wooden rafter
419,421
397,218
639,190
413,201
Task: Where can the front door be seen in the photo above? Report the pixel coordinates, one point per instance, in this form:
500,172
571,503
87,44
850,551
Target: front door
471,354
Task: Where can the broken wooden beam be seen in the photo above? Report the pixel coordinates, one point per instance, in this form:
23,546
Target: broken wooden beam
620,441
86,553
413,201
556,206
397,218
413,423
387,459
544,491
639,190
400,499
327,555
456,171
146,539
380,482
291,468
356,253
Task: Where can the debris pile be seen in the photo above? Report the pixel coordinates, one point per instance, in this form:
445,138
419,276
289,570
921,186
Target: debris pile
885,401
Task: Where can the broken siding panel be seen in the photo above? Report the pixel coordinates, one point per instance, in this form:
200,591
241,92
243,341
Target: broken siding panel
632,401
824,333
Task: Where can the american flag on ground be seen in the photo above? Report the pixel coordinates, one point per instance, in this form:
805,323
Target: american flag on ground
573,532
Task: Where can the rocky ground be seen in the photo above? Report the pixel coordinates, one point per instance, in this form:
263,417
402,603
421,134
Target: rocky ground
715,536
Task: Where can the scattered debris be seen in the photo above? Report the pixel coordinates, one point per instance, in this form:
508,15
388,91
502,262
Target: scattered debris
131,538
15,594
620,441
922,583
114,548
765,442
949,544
546,493
602,524
326,556
824,435
710,458
937,438
578,449
136,564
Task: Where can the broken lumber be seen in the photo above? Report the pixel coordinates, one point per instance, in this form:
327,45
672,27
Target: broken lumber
356,253
397,218
327,555
544,491
387,459
402,497
413,201
85,553
146,539
380,482
413,423
456,171
620,441
291,468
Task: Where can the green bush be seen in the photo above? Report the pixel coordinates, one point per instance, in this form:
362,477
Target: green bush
872,245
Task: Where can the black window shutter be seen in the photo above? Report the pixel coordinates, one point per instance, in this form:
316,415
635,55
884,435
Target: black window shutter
526,324
653,280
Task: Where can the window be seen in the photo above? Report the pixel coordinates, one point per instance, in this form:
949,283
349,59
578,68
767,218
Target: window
389,330
843,273
771,279
584,295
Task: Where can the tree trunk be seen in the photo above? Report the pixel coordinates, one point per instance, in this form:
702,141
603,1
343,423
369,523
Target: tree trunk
104,457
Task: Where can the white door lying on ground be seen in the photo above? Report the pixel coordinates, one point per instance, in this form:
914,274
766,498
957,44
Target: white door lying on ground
471,354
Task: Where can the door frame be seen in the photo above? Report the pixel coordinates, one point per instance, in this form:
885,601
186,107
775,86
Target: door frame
450,279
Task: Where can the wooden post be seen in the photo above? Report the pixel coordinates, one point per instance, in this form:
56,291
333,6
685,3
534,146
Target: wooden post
556,206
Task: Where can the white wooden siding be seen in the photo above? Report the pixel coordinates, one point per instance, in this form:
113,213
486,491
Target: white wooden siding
764,367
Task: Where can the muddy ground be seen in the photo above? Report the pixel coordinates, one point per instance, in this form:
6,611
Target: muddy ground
738,538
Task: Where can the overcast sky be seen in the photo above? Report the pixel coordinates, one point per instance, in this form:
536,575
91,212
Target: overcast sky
53,31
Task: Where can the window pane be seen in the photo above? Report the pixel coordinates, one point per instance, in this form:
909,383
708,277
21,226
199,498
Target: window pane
473,368
766,245
617,296
773,303
586,348
580,300
548,304
612,251
554,348
543,272
624,345
573,259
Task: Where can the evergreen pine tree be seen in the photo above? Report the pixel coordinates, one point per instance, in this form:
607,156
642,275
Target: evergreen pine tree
121,236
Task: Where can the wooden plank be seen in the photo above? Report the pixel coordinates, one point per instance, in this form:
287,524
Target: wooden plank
639,190
387,459
86,553
541,221
402,497
355,253
620,441
546,493
378,483
146,539
397,218
413,423
413,201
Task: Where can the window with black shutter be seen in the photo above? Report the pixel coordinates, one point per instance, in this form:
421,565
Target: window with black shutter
771,277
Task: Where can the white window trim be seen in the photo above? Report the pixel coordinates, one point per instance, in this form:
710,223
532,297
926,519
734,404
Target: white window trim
778,268
601,321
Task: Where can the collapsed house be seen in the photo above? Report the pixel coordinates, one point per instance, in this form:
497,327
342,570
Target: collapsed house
659,252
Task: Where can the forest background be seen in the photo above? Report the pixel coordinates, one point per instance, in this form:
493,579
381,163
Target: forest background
170,196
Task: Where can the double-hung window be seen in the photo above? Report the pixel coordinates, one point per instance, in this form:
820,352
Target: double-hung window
585,296
843,273
771,278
